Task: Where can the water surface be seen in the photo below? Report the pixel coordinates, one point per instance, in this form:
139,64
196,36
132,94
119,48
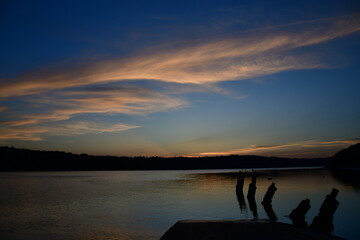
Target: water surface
144,204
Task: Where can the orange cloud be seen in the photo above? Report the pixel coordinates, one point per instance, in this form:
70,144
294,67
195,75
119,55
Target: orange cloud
57,111
299,149
37,132
83,127
203,64
213,61
19,122
28,134
125,100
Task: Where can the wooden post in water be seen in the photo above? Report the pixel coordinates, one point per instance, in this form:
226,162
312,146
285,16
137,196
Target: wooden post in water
324,220
298,214
240,182
267,202
251,196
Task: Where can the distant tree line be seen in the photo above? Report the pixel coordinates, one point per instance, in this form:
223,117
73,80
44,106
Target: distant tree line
14,159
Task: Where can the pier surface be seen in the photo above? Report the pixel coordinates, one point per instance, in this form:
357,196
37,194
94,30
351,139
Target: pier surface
241,230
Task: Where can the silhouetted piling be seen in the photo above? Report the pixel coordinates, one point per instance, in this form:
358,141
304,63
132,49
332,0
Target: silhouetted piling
269,194
324,220
239,191
267,202
240,182
252,187
298,214
251,196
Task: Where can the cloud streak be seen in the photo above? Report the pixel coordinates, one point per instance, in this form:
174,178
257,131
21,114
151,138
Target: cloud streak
99,88
57,111
126,100
312,148
27,134
235,58
38,132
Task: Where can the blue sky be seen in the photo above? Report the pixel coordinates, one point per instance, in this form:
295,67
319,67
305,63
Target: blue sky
172,78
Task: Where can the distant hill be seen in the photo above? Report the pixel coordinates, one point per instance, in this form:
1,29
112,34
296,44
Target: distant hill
14,159
347,158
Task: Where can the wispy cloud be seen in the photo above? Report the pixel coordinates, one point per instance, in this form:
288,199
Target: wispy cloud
27,134
311,148
85,127
236,58
62,94
57,110
38,132
129,100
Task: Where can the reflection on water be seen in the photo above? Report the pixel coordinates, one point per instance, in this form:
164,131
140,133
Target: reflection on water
144,204
347,177
242,203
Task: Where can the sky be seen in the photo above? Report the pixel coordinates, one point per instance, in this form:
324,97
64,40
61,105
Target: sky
180,78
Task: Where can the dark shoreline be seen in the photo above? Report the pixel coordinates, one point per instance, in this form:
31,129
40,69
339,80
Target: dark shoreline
16,159
33,160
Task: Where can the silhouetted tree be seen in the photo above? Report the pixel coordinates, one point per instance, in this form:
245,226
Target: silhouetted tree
347,158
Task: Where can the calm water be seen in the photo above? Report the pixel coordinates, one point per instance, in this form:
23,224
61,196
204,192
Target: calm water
144,204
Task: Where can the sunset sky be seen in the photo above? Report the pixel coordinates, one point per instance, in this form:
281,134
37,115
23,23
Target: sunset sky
171,78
